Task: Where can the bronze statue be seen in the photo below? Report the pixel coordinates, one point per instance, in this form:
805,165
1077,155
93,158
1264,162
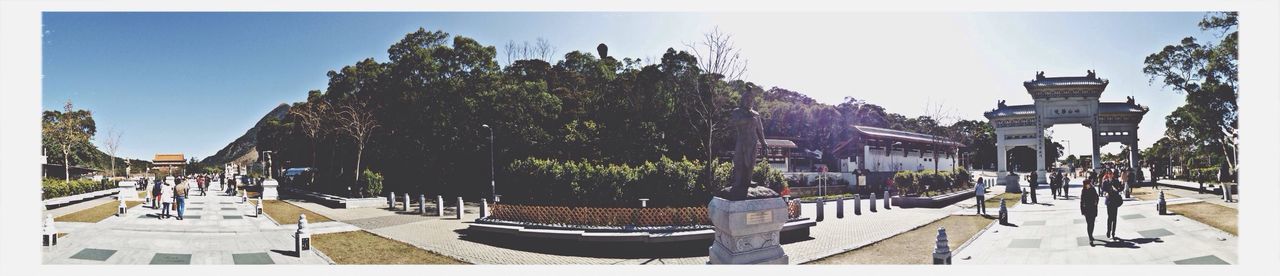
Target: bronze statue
749,130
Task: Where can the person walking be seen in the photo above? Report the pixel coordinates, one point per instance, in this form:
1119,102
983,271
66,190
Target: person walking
166,198
157,185
1089,207
1112,188
1054,185
180,196
1031,177
981,194
1066,186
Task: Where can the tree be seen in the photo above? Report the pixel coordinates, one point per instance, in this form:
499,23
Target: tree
67,130
1207,74
357,121
112,143
312,117
705,106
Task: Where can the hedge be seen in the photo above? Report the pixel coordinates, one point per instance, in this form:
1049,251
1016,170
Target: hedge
666,183
54,188
913,182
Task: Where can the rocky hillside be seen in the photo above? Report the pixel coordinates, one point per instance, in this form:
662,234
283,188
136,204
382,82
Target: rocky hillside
245,148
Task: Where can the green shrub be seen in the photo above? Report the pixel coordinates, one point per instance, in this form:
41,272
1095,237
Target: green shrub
372,183
665,182
54,187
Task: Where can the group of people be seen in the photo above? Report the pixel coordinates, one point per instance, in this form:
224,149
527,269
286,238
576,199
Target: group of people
1104,185
169,194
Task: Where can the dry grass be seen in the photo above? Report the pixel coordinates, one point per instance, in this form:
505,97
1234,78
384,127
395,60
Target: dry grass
360,247
96,213
1218,216
913,247
1011,199
287,213
1148,193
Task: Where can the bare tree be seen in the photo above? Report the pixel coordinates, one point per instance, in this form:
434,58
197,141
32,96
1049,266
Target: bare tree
543,49
357,121
718,55
941,134
112,143
313,117
540,49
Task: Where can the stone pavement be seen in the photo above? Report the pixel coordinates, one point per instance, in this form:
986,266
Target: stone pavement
216,230
447,235
1053,232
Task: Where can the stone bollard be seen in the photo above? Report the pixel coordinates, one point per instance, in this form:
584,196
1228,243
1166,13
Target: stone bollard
1201,189
819,214
302,238
484,208
422,203
1161,208
50,234
244,198
258,209
459,213
873,202
839,207
942,251
1004,213
121,209
644,203
440,206
886,200
406,202
857,204
391,201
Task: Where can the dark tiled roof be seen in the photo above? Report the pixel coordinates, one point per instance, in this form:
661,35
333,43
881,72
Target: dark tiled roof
1064,81
1121,108
898,135
1011,110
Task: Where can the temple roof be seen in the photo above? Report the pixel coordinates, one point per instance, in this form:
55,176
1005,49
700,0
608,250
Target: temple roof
898,135
1011,110
1125,107
167,158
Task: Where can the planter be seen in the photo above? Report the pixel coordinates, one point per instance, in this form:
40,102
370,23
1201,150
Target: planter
938,201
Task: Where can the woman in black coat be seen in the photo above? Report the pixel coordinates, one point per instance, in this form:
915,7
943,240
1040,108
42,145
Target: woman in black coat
1112,187
1089,206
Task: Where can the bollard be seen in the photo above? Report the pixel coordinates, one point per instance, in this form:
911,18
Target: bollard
1024,196
258,209
873,202
1160,205
857,204
50,234
406,202
886,200
1004,213
422,203
459,213
819,210
391,201
644,202
120,210
941,251
440,206
839,207
484,208
302,238
244,198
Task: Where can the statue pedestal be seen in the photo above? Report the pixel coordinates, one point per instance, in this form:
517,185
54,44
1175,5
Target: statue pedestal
269,189
1011,184
128,189
747,231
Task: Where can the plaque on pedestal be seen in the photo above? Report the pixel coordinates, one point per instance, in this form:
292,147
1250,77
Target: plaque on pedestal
747,231
269,189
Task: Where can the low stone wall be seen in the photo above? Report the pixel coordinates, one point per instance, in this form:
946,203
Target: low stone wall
937,201
335,201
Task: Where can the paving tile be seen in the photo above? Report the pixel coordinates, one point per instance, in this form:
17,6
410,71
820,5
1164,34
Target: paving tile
1033,223
228,208
252,258
1202,260
1155,233
232,217
1025,243
1077,221
1133,216
94,254
171,259
1082,241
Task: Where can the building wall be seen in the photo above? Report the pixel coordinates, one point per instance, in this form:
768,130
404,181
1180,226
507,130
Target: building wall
876,161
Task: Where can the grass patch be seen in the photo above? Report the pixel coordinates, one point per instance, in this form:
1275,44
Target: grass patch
96,213
361,247
1218,216
1011,199
912,247
1148,193
287,213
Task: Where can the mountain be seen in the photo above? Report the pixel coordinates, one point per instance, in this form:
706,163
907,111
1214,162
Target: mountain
245,148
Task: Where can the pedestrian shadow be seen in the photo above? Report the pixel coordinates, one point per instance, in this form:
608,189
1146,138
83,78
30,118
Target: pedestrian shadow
1131,243
1009,224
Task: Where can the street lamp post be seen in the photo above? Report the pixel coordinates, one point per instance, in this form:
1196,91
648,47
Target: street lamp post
492,181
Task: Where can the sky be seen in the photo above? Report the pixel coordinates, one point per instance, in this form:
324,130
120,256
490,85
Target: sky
193,82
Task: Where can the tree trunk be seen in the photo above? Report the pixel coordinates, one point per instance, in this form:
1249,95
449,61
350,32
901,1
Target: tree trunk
711,171
66,163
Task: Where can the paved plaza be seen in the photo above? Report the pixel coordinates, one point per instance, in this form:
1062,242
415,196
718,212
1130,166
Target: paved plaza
1053,232
216,230
447,235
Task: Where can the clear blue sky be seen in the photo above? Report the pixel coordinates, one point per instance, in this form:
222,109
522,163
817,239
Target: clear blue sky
192,82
